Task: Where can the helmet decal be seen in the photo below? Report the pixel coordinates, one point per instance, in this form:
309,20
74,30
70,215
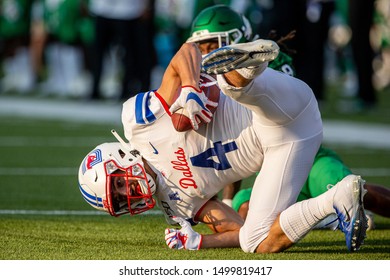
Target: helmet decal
92,159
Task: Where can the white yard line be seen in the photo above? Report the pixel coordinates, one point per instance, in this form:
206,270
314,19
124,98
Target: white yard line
71,171
357,134
64,212
80,111
33,141
38,171
372,172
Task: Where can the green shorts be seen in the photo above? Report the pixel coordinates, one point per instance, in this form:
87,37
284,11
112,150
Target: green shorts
328,169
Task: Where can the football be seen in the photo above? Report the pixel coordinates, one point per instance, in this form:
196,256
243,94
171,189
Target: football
208,84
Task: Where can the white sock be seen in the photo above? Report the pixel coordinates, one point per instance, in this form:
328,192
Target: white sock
252,72
297,220
227,201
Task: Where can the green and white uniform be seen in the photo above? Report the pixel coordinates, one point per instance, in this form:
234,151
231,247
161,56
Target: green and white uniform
65,21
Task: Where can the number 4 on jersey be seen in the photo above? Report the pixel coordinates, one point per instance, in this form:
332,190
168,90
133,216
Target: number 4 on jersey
219,150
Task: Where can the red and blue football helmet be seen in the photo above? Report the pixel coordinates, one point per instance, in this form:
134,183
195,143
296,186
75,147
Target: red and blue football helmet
112,178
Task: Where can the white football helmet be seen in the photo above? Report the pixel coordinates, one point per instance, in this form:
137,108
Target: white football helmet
112,178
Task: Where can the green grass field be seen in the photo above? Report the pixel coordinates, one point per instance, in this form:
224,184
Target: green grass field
38,190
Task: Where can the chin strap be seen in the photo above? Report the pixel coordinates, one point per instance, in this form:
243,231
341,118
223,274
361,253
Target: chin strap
125,145
152,184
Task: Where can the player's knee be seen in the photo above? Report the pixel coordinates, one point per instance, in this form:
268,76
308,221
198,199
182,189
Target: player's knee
249,241
261,246
245,247
243,238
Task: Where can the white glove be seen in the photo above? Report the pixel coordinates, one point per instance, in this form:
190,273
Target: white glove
184,238
194,102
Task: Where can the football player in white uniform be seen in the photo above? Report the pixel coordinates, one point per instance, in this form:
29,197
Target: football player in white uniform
265,120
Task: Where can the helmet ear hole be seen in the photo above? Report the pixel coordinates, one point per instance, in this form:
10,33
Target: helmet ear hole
91,175
121,153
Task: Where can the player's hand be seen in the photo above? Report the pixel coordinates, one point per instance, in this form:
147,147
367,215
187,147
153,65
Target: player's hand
194,101
184,238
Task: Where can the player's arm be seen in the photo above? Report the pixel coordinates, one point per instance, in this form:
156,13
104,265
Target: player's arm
184,69
220,218
223,221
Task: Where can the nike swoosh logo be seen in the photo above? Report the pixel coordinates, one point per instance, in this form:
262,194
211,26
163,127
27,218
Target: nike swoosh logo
154,149
348,218
223,22
196,98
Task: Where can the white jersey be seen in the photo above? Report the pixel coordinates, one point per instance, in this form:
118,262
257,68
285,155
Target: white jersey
193,166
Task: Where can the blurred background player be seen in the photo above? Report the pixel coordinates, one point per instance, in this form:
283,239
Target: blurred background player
125,28
61,34
15,22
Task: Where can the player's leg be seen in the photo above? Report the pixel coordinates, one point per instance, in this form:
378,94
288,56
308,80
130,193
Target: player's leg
284,171
345,199
327,170
377,199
